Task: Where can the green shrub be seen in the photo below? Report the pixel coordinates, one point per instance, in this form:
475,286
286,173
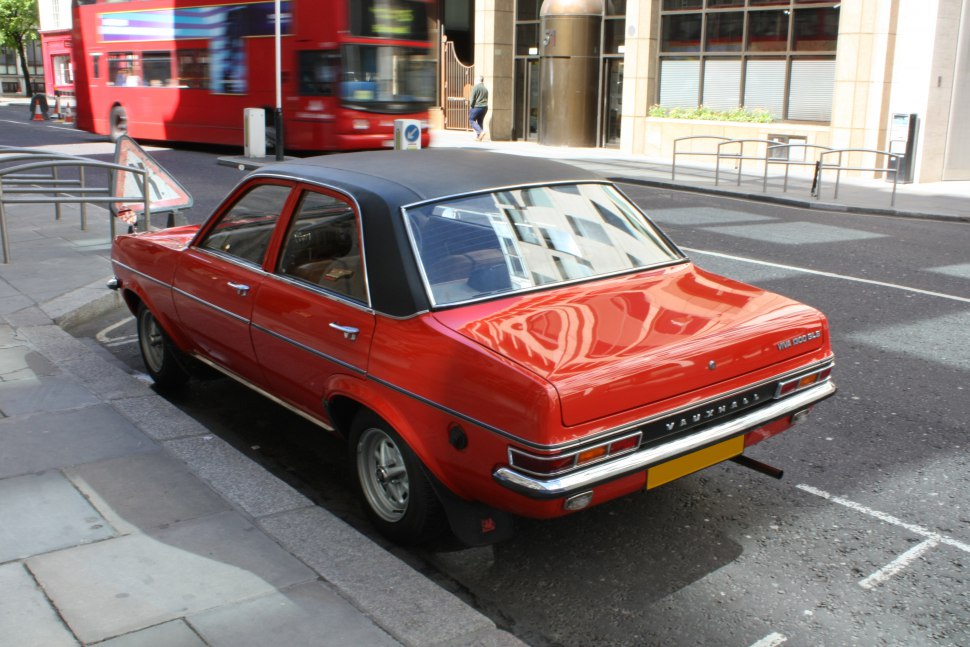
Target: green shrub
756,115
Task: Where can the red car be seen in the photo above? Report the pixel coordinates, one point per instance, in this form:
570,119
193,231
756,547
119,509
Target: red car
493,335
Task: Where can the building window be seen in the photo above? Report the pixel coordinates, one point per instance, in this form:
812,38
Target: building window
62,69
774,55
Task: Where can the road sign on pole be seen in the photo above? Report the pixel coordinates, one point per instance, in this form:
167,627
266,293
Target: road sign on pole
165,193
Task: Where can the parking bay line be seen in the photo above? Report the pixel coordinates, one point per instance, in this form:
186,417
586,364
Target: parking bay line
771,640
831,275
932,539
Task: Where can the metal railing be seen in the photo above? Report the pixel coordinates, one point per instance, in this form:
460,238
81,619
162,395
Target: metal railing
38,177
787,161
734,149
838,168
673,167
739,156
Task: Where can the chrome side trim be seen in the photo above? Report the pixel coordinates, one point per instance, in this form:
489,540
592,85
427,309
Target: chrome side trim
601,473
225,371
212,306
140,273
308,349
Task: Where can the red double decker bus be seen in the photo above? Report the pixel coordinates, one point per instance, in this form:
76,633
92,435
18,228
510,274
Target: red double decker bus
185,70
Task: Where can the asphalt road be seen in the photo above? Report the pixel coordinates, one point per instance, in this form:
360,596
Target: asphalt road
866,540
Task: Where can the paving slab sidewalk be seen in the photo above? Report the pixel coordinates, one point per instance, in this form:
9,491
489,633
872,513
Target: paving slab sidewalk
124,522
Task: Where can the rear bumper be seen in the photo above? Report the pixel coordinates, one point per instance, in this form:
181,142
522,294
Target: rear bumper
576,482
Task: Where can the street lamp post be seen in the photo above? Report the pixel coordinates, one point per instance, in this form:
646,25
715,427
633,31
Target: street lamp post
279,90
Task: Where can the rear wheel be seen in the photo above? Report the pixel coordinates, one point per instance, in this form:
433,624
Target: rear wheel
158,353
396,492
118,122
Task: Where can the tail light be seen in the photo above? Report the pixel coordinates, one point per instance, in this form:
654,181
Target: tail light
803,382
552,464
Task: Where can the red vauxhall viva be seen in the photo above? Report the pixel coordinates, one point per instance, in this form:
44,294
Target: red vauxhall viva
493,335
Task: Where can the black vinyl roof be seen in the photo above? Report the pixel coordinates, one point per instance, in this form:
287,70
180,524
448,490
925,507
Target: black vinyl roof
383,181
432,173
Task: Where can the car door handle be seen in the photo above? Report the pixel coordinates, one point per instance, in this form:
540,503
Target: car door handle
349,331
241,288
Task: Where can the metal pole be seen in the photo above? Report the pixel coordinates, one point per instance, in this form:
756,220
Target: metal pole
84,205
279,90
3,227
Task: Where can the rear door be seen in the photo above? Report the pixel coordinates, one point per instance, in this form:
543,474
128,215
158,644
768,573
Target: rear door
312,319
220,276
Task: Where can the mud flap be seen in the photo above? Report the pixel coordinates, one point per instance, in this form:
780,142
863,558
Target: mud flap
474,524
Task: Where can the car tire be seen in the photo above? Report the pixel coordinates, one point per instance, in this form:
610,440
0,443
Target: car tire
118,123
394,488
158,353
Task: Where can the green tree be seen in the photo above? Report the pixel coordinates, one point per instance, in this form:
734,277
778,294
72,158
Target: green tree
18,26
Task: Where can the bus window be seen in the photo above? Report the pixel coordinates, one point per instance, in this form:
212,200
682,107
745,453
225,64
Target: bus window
157,68
193,70
96,60
387,78
123,69
318,71
400,19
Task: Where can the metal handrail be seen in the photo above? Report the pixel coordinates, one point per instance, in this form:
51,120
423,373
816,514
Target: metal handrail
839,168
740,156
10,154
62,190
673,166
787,162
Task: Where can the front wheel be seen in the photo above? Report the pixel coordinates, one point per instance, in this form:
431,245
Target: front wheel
158,353
118,123
396,492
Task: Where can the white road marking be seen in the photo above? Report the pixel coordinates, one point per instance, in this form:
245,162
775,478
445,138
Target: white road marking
830,275
121,341
102,336
771,640
899,563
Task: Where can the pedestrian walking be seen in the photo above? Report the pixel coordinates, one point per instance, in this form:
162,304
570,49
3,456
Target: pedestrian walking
478,107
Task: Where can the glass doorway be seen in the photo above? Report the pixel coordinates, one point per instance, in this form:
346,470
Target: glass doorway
612,100
526,103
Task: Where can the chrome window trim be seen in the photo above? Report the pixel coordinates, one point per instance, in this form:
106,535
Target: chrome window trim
584,479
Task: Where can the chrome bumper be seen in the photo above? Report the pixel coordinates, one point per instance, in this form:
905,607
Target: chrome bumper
585,479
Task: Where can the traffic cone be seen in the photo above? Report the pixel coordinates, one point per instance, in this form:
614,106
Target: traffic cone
38,115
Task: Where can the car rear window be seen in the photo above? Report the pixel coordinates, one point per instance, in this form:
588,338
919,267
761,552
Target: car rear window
472,247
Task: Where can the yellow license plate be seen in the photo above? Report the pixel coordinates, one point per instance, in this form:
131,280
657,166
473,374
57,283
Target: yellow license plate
673,470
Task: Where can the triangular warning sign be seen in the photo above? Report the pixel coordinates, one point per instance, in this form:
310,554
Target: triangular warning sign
165,193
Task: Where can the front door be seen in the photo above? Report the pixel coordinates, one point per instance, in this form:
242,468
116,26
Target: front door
220,276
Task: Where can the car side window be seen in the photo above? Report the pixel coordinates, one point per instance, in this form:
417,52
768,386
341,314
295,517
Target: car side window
322,246
245,230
